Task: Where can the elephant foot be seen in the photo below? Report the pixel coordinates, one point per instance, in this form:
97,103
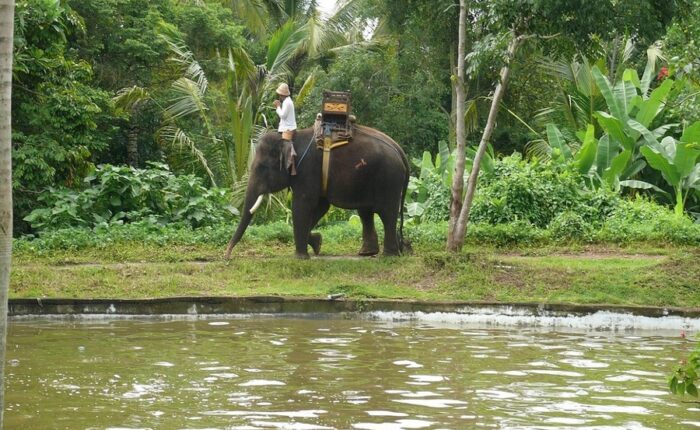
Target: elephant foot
315,240
302,255
391,253
367,252
370,246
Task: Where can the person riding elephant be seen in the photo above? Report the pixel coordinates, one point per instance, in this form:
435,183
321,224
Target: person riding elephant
284,107
370,173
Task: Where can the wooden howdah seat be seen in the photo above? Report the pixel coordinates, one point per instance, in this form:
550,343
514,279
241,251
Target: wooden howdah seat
333,127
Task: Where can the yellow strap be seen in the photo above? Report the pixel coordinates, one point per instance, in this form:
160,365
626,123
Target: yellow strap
327,146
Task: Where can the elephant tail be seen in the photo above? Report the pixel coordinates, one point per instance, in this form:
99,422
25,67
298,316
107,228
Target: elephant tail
403,244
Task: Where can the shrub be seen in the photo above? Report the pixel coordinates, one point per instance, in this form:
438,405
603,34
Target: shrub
570,227
429,194
641,219
517,233
427,234
116,195
278,231
517,190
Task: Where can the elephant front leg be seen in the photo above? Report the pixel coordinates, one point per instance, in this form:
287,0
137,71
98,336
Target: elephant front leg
304,218
315,239
370,242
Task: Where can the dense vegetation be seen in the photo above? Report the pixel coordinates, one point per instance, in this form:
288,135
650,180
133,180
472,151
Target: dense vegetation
143,112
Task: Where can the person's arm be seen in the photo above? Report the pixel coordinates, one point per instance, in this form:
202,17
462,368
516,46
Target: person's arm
283,109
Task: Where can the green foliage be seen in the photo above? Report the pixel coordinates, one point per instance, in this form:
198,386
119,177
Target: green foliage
614,157
684,379
681,47
678,162
514,233
116,195
643,220
571,226
60,119
410,106
536,193
428,195
632,221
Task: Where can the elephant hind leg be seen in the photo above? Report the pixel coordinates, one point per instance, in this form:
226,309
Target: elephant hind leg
391,239
370,242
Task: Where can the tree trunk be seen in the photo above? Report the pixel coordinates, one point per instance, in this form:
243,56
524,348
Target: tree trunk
452,139
460,231
132,146
461,136
6,33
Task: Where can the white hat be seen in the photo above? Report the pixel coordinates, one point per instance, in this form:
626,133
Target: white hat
283,89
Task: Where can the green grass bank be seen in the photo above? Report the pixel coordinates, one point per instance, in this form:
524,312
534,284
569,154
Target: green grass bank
165,263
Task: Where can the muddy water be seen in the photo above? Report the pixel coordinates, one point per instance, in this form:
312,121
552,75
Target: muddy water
318,374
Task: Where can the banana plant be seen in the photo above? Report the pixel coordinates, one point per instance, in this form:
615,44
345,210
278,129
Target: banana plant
630,105
678,162
615,158
439,173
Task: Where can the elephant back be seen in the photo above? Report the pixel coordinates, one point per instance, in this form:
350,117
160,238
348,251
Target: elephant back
384,139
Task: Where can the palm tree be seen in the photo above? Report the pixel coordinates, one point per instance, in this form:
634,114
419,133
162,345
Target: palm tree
299,40
6,35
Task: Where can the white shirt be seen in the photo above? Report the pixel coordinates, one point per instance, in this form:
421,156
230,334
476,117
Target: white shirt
286,113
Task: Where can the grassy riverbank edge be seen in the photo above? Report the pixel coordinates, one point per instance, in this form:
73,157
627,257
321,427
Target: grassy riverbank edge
639,275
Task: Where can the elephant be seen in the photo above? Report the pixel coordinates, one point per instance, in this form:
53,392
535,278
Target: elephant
369,174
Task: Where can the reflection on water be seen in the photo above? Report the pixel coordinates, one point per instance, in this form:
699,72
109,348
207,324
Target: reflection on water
336,374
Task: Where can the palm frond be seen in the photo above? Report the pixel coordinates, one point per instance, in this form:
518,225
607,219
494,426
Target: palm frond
317,38
283,44
130,98
238,190
539,149
345,19
185,58
522,121
176,137
557,69
654,54
307,87
189,99
255,13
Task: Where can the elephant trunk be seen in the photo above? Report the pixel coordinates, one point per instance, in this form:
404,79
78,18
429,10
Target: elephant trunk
252,202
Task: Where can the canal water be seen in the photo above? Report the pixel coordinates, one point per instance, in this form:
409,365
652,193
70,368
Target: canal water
274,373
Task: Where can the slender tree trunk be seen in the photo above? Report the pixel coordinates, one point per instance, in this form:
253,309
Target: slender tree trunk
132,146
6,33
455,245
461,135
452,139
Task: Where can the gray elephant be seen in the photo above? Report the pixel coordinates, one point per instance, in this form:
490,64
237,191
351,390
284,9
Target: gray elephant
369,174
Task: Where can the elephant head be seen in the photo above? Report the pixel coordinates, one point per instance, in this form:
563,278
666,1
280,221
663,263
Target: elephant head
268,174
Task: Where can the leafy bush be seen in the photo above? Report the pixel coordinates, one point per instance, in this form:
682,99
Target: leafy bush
570,226
278,231
427,234
517,190
643,220
428,195
516,233
684,379
117,194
